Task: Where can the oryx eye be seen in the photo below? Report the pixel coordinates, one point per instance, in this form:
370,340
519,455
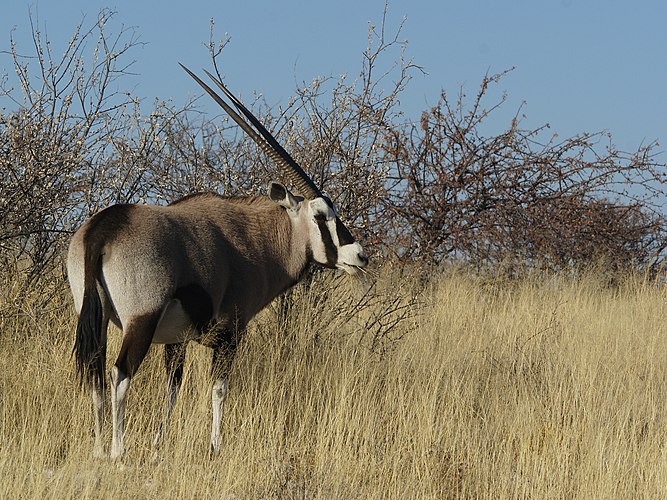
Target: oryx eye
320,217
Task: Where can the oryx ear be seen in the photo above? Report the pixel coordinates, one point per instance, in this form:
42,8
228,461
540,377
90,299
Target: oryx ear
281,195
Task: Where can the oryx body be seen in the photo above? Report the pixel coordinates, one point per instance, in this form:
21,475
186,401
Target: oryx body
198,269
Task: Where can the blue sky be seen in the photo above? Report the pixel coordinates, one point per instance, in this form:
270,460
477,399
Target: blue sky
580,65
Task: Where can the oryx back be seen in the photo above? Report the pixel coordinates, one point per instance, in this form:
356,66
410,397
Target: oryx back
197,261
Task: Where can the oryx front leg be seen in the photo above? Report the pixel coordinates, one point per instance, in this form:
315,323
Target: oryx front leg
137,339
174,359
218,396
222,360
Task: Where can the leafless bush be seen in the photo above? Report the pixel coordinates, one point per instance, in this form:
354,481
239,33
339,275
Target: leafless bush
376,318
458,194
54,146
72,142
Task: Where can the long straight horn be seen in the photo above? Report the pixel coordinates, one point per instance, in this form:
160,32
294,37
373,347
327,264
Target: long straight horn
266,141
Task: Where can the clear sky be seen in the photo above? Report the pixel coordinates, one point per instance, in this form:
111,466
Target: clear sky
580,65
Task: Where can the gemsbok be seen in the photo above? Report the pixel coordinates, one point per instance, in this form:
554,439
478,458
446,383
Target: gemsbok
198,269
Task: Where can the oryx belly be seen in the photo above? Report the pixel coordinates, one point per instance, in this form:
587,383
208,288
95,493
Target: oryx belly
175,325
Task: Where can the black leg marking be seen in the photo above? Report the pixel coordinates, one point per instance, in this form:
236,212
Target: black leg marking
221,362
137,338
174,360
223,355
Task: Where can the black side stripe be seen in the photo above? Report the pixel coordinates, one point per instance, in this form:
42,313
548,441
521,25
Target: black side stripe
197,304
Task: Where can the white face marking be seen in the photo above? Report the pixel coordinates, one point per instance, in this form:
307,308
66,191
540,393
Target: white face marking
320,213
320,207
349,257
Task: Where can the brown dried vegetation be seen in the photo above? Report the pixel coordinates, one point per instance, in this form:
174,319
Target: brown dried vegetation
437,190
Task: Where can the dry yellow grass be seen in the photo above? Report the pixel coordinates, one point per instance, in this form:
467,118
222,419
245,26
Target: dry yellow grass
550,388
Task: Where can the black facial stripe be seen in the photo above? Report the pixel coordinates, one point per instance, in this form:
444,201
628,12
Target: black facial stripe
329,246
344,236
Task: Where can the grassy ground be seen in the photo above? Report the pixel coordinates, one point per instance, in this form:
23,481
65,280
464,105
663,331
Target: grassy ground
463,387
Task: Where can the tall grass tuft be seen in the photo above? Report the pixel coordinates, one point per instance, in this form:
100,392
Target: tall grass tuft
544,387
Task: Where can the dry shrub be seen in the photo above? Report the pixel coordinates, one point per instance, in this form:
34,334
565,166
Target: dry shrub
72,142
520,196
545,386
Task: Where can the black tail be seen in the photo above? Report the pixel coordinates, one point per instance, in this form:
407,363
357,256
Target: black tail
90,344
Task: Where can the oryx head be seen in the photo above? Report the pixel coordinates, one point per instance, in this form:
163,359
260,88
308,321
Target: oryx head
328,240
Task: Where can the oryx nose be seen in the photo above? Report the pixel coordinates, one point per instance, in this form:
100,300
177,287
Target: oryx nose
363,259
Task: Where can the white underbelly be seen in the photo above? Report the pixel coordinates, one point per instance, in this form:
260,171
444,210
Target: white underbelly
175,325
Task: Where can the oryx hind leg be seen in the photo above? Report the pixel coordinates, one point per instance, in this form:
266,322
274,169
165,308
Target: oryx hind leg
174,360
137,338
